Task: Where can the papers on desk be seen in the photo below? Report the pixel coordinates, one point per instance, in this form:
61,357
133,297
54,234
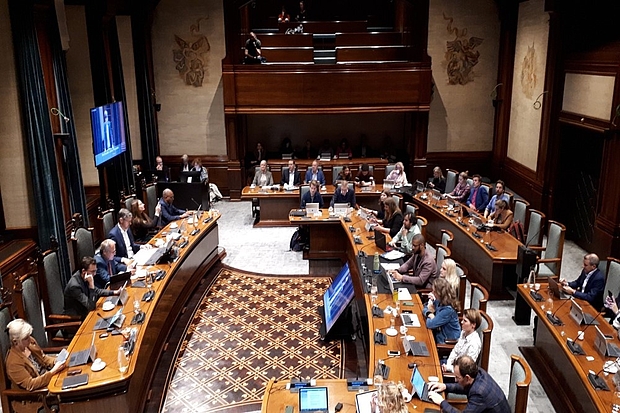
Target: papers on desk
404,294
388,266
392,255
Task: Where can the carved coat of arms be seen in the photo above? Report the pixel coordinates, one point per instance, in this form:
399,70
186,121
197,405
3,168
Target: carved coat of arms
191,55
461,56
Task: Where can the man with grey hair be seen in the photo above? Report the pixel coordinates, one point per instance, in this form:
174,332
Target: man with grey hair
108,263
126,246
590,284
81,293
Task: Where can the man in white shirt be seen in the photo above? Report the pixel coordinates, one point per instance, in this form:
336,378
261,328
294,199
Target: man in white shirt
121,234
406,234
291,176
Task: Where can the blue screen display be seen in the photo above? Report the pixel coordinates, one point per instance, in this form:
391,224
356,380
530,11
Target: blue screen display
108,126
338,296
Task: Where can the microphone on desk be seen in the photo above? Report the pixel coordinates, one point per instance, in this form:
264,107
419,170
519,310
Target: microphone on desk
575,347
597,381
556,321
489,244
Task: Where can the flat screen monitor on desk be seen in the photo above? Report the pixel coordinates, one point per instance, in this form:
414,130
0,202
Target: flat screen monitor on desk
189,176
337,298
312,209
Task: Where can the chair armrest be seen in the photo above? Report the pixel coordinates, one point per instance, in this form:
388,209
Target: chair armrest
537,248
63,317
449,377
21,394
53,350
73,325
548,260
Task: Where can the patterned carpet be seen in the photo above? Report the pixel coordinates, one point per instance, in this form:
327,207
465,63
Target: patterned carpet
247,330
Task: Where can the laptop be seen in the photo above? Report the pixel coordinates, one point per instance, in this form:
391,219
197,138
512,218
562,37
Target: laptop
119,299
84,356
419,187
116,320
312,209
602,344
415,348
420,387
388,184
313,400
341,209
380,240
410,320
364,401
577,314
436,194
554,286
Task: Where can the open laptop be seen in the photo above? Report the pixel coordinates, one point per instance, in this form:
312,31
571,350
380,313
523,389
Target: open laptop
436,194
577,314
420,387
419,187
388,184
312,209
116,320
82,357
119,299
341,209
602,344
415,348
554,286
313,400
363,402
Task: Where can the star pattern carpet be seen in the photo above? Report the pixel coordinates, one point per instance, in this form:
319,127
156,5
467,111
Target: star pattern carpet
247,330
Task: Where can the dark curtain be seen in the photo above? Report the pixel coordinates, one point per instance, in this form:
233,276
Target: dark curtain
146,93
73,171
38,131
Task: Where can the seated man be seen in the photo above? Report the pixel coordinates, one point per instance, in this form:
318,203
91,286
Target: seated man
364,177
315,174
169,212
126,246
81,295
291,176
590,285
478,197
253,54
483,393
421,262
109,263
405,235
344,195
499,194
312,196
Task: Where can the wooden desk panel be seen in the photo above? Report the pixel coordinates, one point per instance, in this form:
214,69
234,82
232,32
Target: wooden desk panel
486,267
567,371
109,390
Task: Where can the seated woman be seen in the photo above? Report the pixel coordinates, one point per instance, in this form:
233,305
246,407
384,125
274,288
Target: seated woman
344,175
502,217
438,181
142,224
398,175
26,364
393,220
197,166
448,271
461,191
263,176
441,312
283,16
389,399
469,343
344,150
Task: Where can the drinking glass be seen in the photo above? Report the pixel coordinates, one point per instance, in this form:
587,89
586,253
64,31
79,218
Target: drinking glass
123,360
136,304
374,289
149,280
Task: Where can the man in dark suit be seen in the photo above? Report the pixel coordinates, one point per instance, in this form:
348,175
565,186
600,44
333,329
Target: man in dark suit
344,195
109,263
483,393
478,197
291,176
169,212
590,285
81,294
121,234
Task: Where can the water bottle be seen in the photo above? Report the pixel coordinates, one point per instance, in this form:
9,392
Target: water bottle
376,264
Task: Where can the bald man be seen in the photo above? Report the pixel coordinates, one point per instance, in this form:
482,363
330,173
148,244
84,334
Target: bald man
169,212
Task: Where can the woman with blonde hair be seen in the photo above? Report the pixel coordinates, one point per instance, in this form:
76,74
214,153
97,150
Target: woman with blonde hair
437,181
448,271
441,312
390,399
398,174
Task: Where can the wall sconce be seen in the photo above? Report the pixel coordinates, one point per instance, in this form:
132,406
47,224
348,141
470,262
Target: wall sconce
537,104
57,112
613,121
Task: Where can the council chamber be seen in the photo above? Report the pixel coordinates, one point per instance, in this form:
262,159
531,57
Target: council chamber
194,129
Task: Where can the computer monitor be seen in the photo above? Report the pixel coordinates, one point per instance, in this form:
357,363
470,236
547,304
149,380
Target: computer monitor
312,209
189,176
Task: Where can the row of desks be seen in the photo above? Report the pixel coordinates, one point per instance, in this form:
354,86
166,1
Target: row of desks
109,390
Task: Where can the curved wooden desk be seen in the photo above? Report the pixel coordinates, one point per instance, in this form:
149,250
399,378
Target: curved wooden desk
111,391
341,237
493,269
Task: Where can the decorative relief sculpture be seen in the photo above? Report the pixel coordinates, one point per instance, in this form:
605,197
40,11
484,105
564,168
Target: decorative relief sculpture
528,72
461,56
192,55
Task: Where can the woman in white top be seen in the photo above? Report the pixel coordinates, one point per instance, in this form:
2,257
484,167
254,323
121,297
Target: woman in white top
398,174
469,343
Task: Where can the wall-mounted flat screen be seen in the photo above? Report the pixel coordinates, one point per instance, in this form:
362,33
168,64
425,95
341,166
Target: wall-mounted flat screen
108,125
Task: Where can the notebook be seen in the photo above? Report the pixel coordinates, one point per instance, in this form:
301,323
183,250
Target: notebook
72,382
313,400
420,387
363,402
83,356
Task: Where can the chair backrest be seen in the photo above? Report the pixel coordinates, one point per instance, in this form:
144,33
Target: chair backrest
5,345
51,283
518,389
127,200
389,168
470,182
410,207
443,252
335,171
446,238
534,228
108,221
479,297
302,191
451,179
84,243
520,211
284,168
150,198
462,287
486,187
422,223
28,304
398,198
612,282
485,331
555,245
511,198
